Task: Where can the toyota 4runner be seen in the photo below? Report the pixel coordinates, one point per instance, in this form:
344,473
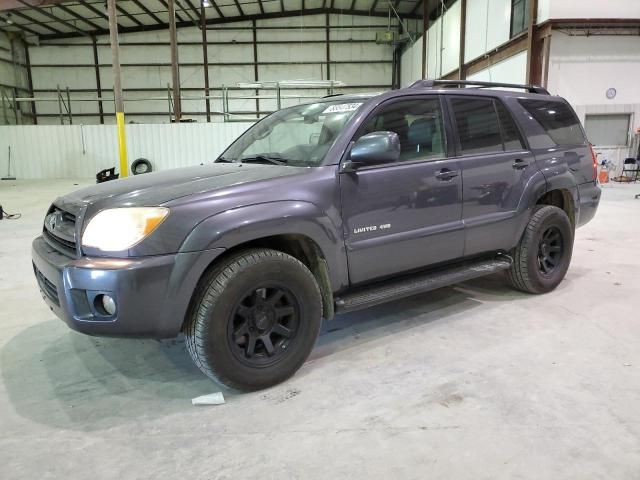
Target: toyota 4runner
319,209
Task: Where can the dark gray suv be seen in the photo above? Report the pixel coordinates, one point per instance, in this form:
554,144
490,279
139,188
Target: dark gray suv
323,208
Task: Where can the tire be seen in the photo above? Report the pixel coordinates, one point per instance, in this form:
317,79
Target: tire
537,268
141,166
254,319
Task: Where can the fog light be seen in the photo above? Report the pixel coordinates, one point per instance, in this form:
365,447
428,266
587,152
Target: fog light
109,304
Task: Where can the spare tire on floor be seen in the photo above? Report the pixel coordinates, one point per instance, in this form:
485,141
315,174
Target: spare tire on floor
140,166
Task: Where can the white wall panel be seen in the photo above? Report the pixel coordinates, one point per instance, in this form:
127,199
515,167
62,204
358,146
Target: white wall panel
510,70
594,9
78,77
411,64
75,151
158,77
487,26
582,69
451,38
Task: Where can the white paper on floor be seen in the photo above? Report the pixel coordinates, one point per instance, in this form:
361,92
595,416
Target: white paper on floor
211,399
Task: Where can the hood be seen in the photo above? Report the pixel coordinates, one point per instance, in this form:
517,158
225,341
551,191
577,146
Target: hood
153,189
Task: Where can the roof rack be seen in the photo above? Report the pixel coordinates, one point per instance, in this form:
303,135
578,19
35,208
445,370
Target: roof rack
472,83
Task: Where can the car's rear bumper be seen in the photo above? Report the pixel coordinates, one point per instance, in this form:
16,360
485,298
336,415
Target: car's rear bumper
152,294
589,195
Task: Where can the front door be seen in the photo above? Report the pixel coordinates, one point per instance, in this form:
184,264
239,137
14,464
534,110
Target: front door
495,168
406,215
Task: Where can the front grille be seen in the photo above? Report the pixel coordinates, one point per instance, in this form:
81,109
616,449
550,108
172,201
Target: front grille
59,231
46,286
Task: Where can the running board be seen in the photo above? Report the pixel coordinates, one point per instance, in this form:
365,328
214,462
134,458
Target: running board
418,283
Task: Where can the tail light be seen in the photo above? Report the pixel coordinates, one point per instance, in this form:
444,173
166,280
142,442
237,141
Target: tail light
594,158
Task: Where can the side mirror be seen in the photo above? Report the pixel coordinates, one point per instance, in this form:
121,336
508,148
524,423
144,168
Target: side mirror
374,148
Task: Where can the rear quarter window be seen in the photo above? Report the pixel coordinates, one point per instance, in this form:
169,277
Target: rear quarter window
557,119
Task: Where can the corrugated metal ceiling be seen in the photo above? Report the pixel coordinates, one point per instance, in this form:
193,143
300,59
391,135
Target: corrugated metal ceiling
49,19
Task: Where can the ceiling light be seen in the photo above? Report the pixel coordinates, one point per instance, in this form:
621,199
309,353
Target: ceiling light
206,3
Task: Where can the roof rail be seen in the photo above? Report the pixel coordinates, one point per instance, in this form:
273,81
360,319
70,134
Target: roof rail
472,83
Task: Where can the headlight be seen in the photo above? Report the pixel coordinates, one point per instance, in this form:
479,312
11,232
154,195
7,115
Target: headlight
121,228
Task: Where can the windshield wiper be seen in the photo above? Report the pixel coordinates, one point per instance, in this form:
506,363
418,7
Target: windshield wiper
223,160
265,159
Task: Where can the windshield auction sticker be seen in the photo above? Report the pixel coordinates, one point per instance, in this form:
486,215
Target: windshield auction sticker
343,107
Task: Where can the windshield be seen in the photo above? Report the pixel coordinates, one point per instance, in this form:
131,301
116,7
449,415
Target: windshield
298,136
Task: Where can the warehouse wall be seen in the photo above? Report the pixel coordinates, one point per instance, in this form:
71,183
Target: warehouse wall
80,151
582,69
587,9
487,27
358,61
13,81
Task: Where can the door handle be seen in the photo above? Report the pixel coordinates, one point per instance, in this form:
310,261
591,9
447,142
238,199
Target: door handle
446,174
520,164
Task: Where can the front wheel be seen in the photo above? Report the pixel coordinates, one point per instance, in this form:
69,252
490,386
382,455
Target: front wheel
254,319
542,257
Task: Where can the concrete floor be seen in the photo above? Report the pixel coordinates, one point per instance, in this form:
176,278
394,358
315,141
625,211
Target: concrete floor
468,382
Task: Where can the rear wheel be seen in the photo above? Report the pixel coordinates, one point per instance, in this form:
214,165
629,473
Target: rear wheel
254,319
542,257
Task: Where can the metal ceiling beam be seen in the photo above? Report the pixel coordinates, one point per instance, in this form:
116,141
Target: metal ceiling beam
193,9
31,20
282,6
228,20
52,17
147,11
187,13
93,9
21,27
218,11
12,4
128,15
239,7
164,4
68,11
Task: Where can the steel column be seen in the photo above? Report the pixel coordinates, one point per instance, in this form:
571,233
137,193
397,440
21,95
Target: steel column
255,64
328,47
205,60
425,27
175,69
98,83
463,34
30,82
117,87
533,51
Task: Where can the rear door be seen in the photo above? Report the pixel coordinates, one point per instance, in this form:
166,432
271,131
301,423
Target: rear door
405,215
495,169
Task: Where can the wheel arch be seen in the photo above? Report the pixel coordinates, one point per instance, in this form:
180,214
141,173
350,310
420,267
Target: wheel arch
563,199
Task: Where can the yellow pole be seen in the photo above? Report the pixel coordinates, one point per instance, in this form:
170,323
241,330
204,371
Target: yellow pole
122,145
117,88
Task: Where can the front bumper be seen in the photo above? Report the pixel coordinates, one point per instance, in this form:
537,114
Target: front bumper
152,294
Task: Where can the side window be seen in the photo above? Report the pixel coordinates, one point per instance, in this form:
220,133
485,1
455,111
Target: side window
418,123
477,123
558,120
510,134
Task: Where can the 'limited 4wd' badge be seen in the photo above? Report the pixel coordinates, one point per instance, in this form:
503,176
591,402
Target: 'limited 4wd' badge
371,228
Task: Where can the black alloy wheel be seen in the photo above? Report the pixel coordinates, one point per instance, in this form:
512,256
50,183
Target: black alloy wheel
550,250
264,323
